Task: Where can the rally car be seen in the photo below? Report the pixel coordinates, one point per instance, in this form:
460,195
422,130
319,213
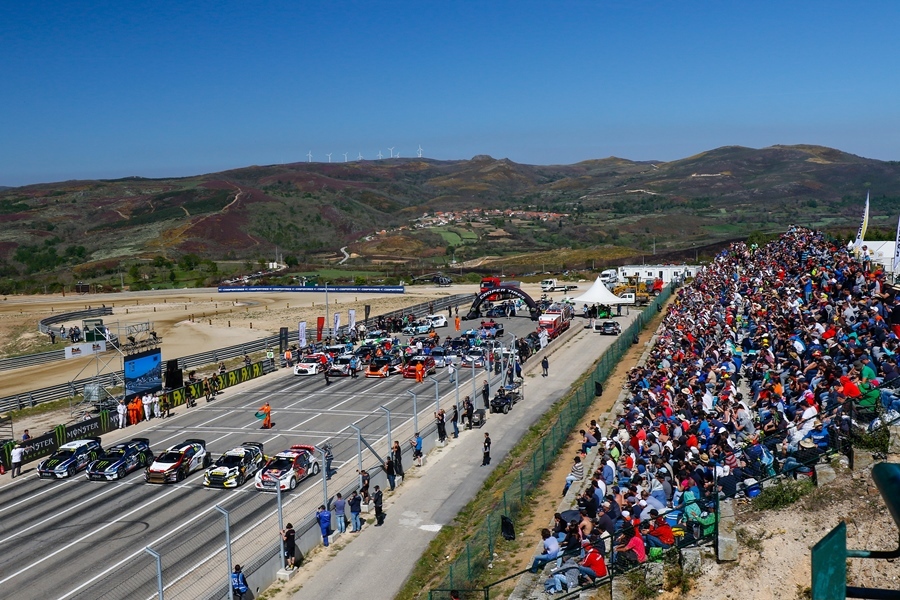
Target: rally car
409,371
476,355
340,367
365,353
492,326
608,328
70,458
376,337
438,321
420,327
178,462
442,357
120,459
383,366
310,365
286,469
234,467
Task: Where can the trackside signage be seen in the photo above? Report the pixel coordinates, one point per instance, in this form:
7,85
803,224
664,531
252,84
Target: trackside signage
47,444
197,390
337,289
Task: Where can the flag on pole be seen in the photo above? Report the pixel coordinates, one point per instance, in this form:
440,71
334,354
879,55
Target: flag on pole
351,318
302,331
861,234
337,324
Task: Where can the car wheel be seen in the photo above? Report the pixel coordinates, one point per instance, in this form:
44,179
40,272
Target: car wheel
71,471
315,469
179,476
240,480
120,472
293,484
207,460
506,409
142,460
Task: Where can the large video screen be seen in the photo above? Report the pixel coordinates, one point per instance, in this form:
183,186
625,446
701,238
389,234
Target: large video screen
143,373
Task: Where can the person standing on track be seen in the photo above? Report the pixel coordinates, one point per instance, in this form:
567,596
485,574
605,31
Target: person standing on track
486,395
239,582
420,372
486,448
545,366
323,517
378,501
355,504
122,411
16,455
397,457
289,536
267,420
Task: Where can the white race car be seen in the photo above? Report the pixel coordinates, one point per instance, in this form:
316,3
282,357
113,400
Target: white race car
286,469
178,462
310,365
438,321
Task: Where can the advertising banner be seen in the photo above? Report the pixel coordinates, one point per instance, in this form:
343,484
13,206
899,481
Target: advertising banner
320,325
368,310
87,349
45,445
351,318
337,323
302,331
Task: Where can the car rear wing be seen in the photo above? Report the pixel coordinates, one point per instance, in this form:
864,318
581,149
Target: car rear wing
256,444
196,441
145,440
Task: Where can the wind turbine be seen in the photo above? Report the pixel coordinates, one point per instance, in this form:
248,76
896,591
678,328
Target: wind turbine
380,155
345,157
329,156
420,151
309,156
392,151
360,157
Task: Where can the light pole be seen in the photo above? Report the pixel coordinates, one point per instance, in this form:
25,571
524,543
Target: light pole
359,453
324,474
280,516
159,579
437,392
227,549
388,413
415,410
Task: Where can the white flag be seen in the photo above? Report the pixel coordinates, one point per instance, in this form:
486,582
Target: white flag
337,323
302,329
351,318
861,234
896,249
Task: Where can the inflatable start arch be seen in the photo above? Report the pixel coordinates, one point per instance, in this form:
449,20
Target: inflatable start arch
503,292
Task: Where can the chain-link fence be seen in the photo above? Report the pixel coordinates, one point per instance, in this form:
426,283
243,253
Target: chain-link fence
475,560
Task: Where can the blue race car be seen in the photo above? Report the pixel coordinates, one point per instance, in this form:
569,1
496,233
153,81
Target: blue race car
120,459
70,458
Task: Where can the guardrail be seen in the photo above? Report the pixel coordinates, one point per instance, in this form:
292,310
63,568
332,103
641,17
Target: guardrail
44,325
73,388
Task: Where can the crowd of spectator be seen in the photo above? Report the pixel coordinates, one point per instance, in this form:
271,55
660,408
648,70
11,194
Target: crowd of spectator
763,363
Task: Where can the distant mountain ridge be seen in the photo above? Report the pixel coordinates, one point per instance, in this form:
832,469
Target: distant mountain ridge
312,208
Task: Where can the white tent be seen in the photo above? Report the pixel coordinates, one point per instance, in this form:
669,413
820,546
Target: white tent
599,294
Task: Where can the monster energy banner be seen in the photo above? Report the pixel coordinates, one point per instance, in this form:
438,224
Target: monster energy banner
228,379
47,444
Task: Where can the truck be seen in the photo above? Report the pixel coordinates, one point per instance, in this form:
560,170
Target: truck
556,319
554,285
490,283
609,276
634,287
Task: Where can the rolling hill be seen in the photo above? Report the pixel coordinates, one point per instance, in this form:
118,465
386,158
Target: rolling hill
310,210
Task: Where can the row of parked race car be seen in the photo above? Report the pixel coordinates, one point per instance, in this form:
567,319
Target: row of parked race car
247,461
380,359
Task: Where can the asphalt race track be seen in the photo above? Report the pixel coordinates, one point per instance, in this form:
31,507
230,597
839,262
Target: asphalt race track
83,539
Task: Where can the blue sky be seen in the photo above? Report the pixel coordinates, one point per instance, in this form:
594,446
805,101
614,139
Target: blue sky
111,89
